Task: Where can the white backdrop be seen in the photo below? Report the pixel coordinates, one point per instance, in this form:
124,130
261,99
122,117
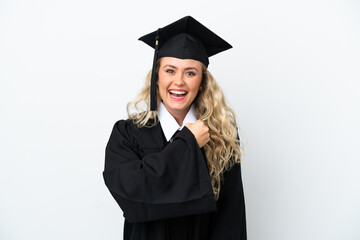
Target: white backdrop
68,68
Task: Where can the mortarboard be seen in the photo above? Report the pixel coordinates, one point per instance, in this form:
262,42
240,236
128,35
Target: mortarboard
185,38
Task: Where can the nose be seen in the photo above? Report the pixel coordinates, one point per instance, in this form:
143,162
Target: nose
179,79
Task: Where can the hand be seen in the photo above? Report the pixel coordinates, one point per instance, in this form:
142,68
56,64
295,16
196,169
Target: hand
200,131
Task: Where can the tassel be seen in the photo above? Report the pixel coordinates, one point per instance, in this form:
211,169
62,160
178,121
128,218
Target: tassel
153,99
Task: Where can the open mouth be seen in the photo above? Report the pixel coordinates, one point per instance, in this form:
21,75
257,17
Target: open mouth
177,93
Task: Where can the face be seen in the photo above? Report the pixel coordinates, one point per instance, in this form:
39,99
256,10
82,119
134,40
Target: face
179,82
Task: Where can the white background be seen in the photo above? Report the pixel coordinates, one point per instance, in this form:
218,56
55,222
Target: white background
68,68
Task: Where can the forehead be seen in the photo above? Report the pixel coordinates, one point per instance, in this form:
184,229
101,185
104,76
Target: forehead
180,63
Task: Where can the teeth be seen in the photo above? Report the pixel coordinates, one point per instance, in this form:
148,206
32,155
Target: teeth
178,92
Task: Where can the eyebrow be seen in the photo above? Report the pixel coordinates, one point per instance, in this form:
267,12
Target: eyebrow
188,68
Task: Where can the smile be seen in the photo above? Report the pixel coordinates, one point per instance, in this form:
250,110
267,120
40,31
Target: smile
178,95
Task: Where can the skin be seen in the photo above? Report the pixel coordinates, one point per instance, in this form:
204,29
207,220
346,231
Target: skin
200,131
182,75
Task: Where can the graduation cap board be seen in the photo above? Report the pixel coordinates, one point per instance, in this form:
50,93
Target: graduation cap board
185,38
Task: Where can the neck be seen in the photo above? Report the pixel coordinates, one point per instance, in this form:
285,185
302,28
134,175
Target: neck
179,118
179,115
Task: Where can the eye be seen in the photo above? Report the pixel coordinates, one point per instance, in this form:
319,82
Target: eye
169,71
191,73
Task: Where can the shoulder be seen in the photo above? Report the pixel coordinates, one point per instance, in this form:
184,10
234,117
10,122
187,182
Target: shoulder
129,126
232,178
141,136
124,125
130,123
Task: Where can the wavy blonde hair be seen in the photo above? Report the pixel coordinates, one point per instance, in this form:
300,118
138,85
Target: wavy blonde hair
223,149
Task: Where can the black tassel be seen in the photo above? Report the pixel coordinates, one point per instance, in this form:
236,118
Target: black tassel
153,100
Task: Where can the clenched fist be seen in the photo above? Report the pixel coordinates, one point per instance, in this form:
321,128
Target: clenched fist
200,131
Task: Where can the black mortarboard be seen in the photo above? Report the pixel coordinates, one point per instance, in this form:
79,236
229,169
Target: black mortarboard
186,39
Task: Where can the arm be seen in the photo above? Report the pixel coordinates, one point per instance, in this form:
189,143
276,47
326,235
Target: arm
229,221
173,182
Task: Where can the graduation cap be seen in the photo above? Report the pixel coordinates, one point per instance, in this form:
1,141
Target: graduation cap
185,38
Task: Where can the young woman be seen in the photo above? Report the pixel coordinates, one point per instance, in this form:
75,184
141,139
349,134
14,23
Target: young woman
174,169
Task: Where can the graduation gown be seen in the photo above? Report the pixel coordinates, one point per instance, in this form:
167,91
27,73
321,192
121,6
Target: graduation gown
164,188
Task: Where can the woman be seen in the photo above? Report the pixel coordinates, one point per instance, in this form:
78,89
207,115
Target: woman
174,169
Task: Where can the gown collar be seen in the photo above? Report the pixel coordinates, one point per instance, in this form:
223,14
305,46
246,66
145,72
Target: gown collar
168,122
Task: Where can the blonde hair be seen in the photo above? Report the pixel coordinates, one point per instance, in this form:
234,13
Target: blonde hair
223,149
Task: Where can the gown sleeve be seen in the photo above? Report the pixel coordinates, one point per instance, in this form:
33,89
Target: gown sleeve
169,183
229,221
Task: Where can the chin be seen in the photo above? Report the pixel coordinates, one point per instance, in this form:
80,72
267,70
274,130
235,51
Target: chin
177,107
